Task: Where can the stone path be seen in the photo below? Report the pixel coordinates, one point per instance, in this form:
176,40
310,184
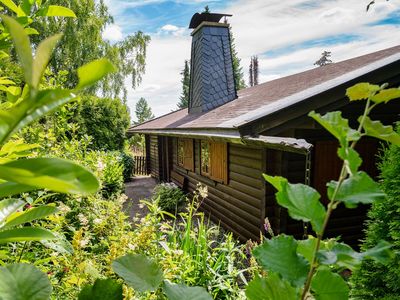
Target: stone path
138,189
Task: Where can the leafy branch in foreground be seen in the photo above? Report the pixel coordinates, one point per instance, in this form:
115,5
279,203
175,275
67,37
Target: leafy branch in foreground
20,174
302,269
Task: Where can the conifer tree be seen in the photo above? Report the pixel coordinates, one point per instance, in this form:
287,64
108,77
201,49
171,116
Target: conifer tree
184,98
325,59
143,111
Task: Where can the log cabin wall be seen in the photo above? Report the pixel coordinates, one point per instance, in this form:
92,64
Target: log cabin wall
238,204
154,165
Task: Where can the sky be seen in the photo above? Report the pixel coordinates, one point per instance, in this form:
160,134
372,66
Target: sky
288,36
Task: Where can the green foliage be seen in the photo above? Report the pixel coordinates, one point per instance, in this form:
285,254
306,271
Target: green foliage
143,111
272,288
237,69
301,201
128,163
112,173
139,272
373,280
168,197
279,255
184,98
82,43
23,282
103,289
310,264
104,119
181,291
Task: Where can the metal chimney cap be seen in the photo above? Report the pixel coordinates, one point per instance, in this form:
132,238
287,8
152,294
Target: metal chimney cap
197,18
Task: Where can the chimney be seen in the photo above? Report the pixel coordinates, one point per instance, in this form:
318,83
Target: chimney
212,82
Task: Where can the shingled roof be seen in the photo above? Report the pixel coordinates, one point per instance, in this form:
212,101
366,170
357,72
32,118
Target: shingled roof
263,99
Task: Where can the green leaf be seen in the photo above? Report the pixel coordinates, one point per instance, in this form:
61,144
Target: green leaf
22,46
103,289
92,72
181,291
279,255
271,288
55,174
30,215
56,11
361,91
386,95
378,130
24,282
42,57
12,188
302,201
344,256
359,188
25,234
337,126
9,206
139,272
329,286
60,244
12,6
31,31
26,6
351,159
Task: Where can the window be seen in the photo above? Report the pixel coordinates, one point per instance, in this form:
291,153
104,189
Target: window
185,154
214,160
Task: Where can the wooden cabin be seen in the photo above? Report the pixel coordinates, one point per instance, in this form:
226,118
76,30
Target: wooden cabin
228,139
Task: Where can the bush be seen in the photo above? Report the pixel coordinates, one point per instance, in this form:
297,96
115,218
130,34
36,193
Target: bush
105,119
168,196
373,280
129,163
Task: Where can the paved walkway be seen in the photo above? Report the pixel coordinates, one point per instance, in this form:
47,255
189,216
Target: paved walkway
138,189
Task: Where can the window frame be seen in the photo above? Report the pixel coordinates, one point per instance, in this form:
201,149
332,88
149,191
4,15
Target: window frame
216,163
187,161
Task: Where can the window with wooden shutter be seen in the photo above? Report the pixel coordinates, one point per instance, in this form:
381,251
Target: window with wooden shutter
186,154
214,160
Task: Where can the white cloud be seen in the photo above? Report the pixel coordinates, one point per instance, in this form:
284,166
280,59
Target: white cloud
113,33
170,27
263,26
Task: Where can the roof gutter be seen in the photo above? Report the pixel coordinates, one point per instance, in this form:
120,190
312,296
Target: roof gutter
300,146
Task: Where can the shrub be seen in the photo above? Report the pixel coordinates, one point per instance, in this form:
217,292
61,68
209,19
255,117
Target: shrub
168,196
105,119
372,280
111,173
128,163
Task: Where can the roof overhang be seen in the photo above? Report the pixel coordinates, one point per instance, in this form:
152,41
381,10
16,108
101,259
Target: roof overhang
272,142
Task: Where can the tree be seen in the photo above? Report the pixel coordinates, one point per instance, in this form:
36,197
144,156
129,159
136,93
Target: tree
143,111
237,69
184,98
82,42
324,60
253,71
372,280
105,119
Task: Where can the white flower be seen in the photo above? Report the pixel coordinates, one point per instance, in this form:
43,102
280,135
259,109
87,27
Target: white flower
83,243
203,190
100,165
97,221
83,220
64,209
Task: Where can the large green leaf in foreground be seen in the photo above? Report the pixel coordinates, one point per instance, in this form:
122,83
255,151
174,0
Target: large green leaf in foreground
301,201
329,286
50,173
271,288
139,272
23,282
181,291
279,255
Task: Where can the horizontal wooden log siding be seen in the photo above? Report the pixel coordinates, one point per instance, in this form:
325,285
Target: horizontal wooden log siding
236,205
154,158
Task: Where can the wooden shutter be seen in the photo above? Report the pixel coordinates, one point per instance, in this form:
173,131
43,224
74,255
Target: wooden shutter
188,161
219,162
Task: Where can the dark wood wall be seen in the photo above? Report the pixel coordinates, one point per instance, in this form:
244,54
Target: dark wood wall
153,160
238,205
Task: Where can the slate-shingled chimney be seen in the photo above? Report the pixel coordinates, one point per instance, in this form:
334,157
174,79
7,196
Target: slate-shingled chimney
212,81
